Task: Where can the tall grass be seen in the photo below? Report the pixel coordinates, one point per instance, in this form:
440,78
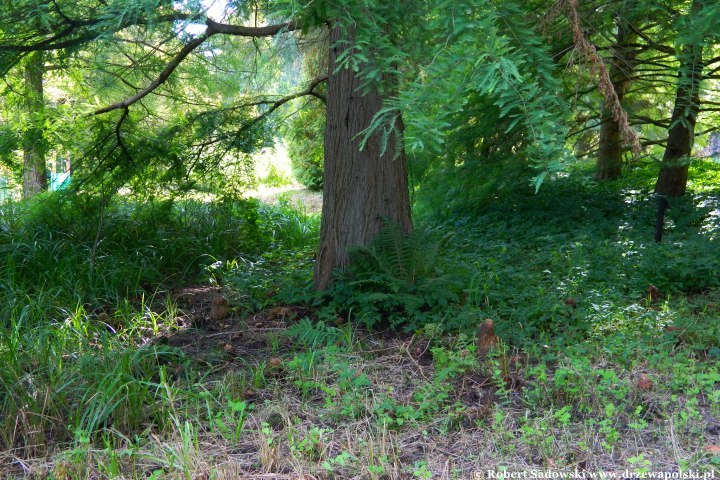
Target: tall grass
81,291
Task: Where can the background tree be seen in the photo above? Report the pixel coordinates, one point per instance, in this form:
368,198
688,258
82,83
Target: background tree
374,50
34,146
656,31
698,26
610,149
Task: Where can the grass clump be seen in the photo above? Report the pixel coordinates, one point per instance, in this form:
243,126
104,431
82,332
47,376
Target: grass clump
85,288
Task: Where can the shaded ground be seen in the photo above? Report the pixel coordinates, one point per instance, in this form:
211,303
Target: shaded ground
314,401
618,379
361,405
236,336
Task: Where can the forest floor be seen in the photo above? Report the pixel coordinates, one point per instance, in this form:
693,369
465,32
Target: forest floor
291,401
342,402
188,344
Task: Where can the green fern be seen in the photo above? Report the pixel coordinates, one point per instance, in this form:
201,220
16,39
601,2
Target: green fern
397,280
400,255
313,335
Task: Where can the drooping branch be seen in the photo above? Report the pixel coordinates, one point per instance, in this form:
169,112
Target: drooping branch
213,28
310,90
118,133
273,105
164,75
644,120
69,33
651,43
604,82
64,38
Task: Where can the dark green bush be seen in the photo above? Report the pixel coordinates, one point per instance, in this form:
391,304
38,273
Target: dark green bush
304,138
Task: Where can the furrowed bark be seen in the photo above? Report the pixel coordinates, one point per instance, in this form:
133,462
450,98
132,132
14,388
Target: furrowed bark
361,188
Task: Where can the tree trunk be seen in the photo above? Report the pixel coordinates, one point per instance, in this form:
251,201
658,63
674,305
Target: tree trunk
361,187
34,173
610,154
673,177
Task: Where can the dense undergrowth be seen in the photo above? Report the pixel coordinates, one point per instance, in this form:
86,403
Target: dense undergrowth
84,286
327,390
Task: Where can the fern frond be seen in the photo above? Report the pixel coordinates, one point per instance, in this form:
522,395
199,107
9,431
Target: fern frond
402,255
313,335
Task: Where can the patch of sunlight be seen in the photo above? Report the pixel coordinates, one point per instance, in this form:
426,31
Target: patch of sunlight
631,196
273,164
275,182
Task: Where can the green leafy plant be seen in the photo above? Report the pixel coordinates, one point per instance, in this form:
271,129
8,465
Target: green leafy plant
397,280
236,413
304,137
314,335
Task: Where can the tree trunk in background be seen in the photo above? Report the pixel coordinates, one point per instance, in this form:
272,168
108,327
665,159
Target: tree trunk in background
361,187
610,154
673,177
34,173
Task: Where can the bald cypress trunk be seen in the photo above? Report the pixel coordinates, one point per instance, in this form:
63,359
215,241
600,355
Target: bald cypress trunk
610,153
673,177
34,173
361,187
